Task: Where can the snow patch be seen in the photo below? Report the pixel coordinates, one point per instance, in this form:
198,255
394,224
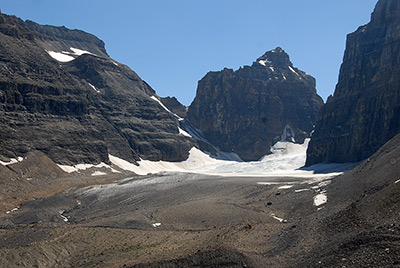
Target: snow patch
61,57
320,199
79,167
66,56
264,62
62,216
12,161
98,173
14,209
184,133
79,52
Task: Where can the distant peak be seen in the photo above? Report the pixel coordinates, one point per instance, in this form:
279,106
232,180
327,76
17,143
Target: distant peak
276,57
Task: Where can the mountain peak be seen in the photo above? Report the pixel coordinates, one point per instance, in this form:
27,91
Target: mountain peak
276,57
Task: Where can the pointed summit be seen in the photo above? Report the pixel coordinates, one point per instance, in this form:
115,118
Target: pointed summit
276,57
245,111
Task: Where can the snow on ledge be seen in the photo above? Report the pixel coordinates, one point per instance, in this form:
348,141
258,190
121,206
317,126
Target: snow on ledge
66,56
61,57
12,161
79,167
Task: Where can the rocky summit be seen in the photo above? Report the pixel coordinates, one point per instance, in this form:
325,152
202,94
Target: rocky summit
364,112
61,94
248,110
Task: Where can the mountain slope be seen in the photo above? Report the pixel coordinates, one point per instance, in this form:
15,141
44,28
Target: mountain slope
359,227
60,93
248,110
364,112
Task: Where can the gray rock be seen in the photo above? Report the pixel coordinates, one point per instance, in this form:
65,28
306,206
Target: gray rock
364,112
78,111
246,111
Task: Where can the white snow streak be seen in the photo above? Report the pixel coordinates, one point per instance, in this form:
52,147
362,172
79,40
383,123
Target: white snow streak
301,190
94,88
164,107
294,71
278,219
285,187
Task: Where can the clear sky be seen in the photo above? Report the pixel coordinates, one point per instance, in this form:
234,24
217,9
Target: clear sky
172,44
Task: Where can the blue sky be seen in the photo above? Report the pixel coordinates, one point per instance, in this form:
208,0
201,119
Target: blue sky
172,44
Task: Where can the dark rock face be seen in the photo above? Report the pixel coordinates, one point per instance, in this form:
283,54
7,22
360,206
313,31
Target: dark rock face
81,109
364,112
175,106
246,111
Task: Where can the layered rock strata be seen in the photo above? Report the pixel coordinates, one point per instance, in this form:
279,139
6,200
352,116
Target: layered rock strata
248,110
364,112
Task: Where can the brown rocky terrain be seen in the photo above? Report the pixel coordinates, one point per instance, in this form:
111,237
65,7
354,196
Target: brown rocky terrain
364,112
246,111
189,220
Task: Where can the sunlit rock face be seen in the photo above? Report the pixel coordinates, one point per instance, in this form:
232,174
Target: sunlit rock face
61,94
248,110
364,112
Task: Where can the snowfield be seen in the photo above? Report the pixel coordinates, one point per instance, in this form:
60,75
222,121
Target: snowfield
286,160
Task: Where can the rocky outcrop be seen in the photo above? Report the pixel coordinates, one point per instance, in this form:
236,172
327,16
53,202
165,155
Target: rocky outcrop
175,106
364,112
248,110
61,94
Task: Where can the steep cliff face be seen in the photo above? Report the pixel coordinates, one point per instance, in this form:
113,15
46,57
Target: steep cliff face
248,110
364,112
60,93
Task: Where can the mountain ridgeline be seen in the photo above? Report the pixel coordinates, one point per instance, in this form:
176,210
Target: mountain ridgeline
248,110
364,112
61,94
